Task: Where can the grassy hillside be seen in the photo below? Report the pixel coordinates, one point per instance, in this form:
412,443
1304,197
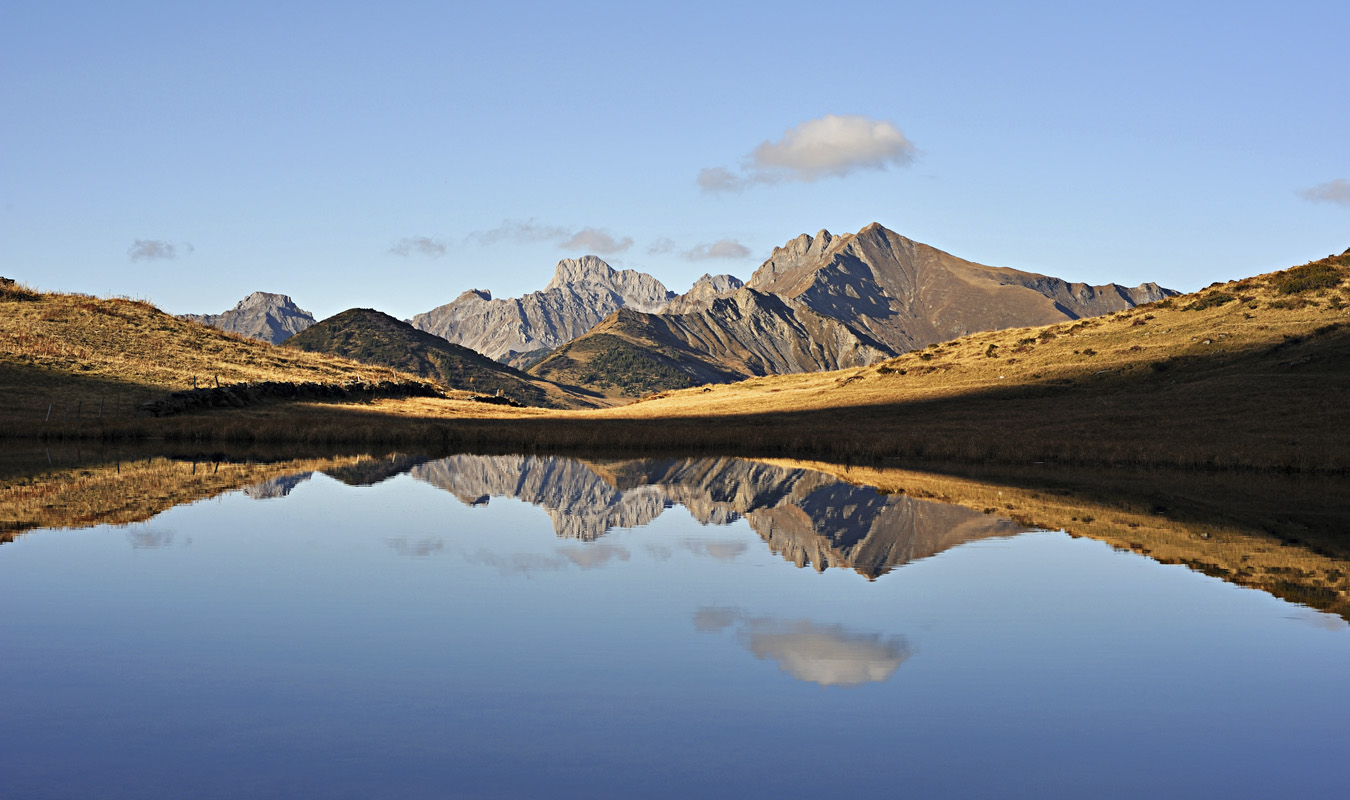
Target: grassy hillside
79,354
617,362
1252,374
372,337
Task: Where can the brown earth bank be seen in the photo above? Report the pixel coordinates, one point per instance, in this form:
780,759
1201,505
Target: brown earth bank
1284,534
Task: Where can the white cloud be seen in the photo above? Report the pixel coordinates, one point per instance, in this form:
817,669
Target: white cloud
834,145
156,250
593,240
1337,191
722,248
418,246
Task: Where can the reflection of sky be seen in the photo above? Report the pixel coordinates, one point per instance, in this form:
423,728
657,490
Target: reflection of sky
829,655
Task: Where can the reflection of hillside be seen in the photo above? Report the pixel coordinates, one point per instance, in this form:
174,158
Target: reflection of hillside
1281,534
126,490
805,516
372,471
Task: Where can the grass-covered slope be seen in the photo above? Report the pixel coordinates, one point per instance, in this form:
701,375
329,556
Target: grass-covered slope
80,354
373,337
738,336
618,359
1250,373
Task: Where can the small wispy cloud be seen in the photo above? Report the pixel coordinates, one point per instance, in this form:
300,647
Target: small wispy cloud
1337,191
519,232
661,246
834,145
588,239
157,250
418,246
722,248
594,240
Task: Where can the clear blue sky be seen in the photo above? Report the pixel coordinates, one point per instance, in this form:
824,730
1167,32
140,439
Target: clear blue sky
396,154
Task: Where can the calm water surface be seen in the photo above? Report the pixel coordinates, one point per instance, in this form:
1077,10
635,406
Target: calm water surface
527,627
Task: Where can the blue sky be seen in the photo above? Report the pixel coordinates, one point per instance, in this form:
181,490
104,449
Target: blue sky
396,155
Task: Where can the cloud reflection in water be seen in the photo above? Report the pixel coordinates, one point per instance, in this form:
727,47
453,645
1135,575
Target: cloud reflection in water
828,655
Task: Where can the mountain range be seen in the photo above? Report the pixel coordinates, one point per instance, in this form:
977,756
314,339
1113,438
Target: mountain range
819,302
521,330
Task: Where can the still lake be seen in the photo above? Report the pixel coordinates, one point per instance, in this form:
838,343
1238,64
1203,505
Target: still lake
525,626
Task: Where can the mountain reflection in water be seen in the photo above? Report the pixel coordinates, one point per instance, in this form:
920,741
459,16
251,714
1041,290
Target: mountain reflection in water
807,517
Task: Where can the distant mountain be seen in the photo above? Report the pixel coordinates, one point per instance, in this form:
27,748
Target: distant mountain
373,337
520,331
740,335
269,317
703,292
904,294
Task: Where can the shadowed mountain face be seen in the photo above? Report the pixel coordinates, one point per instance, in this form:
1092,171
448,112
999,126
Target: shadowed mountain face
904,294
373,337
741,335
520,330
807,517
272,318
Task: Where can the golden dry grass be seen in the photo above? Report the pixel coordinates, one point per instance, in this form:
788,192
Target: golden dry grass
76,350
1244,375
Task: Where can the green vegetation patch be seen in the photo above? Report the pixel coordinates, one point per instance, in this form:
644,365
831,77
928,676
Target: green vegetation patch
375,338
614,362
1211,300
1317,275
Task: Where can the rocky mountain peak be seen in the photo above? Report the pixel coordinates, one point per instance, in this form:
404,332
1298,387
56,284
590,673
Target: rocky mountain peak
262,315
718,283
702,293
260,300
587,269
802,250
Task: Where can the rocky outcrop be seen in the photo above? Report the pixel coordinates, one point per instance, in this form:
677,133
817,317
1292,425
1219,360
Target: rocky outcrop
701,295
272,318
521,330
904,294
742,335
